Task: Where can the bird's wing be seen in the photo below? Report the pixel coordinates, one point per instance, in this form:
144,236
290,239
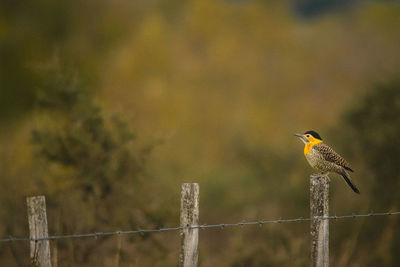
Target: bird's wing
330,155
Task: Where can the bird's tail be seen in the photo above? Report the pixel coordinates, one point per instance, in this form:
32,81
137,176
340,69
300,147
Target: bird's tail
348,181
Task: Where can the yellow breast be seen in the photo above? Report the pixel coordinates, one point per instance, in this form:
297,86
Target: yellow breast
308,147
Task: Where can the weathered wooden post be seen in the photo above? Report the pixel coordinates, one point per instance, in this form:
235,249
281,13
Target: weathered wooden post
189,216
37,218
319,207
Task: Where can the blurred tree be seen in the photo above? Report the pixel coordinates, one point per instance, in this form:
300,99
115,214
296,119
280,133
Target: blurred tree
376,127
27,37
33,34
90,167
373,128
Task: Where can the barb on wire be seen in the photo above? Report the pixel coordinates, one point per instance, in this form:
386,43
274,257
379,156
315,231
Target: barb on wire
203,226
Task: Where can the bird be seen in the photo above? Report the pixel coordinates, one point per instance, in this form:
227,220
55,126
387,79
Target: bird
323,158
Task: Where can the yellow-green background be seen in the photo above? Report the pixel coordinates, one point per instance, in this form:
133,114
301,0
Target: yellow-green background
210,92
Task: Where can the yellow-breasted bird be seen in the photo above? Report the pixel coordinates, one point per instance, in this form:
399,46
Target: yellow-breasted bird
323,158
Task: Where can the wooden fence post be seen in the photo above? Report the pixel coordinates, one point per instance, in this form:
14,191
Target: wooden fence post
319,206
37,218
189,216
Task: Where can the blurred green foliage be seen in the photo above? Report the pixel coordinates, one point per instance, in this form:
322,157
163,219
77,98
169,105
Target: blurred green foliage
376,125
75,135
369,132
106,107
87,165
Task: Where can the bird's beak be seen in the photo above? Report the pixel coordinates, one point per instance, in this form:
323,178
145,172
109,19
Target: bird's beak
302,137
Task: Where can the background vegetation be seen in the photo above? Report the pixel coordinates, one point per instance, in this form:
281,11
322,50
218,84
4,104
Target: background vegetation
106,107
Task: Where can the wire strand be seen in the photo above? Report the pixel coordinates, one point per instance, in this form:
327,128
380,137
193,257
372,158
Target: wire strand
202,226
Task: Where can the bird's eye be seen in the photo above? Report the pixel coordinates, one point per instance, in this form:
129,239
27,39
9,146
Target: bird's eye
308,135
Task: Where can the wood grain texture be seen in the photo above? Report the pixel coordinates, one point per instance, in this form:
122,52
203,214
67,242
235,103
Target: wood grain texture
189,216
319,206
37,218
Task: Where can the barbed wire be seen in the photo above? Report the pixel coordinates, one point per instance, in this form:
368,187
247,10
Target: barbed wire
202,226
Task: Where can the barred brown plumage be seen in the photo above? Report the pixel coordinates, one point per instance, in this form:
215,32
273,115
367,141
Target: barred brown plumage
323,158
330,155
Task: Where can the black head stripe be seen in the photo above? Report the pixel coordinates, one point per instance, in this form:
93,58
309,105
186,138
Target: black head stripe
314,134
